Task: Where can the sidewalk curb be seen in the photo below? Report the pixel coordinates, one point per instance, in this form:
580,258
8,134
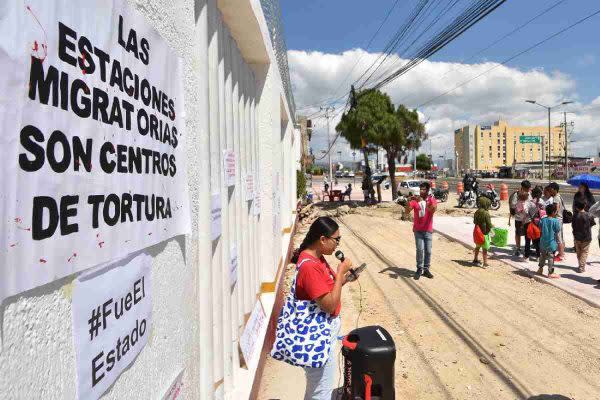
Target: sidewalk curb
538,278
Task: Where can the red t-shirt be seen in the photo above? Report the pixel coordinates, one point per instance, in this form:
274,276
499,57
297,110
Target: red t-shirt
315,278
424,223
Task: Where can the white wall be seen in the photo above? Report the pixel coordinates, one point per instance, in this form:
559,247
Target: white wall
233,99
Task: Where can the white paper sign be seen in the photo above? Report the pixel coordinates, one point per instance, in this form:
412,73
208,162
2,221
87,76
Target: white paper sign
229,167
257,203
112,319
93,142
249,187
233,267
251,333
174,391
215,216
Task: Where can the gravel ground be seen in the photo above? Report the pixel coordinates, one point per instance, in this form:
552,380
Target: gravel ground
467,334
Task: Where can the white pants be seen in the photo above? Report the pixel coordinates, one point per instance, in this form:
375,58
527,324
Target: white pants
320,382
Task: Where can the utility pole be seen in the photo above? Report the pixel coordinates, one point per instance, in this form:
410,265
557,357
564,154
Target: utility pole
549,145
327,115
543,157
354,165
549,128
566,132
566,149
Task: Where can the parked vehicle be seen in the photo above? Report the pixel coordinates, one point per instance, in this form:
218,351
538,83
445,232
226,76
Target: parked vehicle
440,194
493,195
350,174
468,198
409,188
339,174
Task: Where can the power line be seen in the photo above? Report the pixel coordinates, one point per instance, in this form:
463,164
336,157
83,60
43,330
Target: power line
512,58
495,42
324,101
461,24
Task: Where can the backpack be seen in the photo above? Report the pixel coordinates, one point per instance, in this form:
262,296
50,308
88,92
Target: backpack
512,203
533,232
478,236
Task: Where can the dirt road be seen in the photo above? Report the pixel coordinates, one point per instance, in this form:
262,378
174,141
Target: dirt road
467,334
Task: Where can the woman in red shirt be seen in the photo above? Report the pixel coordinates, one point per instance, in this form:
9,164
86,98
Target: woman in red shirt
316,281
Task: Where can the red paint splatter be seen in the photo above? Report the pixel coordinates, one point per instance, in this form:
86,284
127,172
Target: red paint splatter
127,241
43,261
150,234
72,257
14,244
100,244
35,43
97,235
18,220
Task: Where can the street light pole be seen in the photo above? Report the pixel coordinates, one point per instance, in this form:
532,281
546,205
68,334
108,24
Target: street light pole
549,129
549,144
327,110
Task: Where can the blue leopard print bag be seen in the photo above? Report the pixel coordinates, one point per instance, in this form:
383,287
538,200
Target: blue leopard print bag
303,335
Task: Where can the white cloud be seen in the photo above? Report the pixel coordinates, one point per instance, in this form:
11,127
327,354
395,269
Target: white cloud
497,94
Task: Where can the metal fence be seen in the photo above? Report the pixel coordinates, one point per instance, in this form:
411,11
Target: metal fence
272,13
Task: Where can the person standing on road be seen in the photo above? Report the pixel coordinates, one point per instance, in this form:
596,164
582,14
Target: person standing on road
365,188
537,213
423,207
550,228
585,195
315,301
557,200
517,211
582,233
483,220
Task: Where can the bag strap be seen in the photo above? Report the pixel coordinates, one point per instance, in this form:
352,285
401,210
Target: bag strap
296,276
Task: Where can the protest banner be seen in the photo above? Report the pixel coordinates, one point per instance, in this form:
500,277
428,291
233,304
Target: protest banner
252,333
215,216
249,186
229,167
93,144
112,318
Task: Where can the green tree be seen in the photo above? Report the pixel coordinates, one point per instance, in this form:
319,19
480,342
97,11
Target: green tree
423,162
370,122
300,184
414,131
407,135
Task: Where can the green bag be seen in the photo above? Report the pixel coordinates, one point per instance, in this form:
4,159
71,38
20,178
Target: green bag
500,238
486,242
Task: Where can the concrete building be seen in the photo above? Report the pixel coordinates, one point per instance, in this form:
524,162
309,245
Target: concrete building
237,96
488,147
305,126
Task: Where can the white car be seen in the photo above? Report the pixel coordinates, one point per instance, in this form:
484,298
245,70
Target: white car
409,188
350,174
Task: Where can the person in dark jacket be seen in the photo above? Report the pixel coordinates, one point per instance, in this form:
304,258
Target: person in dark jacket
583,194
582,233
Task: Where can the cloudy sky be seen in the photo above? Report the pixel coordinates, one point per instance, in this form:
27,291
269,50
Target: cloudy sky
328,40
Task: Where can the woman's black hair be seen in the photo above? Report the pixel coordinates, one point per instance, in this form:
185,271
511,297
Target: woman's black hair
323,226
537,192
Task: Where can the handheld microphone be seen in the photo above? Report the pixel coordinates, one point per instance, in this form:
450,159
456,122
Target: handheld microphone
340,256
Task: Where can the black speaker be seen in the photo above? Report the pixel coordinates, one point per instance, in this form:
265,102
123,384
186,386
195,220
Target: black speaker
369,355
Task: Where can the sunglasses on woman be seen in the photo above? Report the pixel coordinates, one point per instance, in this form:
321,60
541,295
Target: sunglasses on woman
337,239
